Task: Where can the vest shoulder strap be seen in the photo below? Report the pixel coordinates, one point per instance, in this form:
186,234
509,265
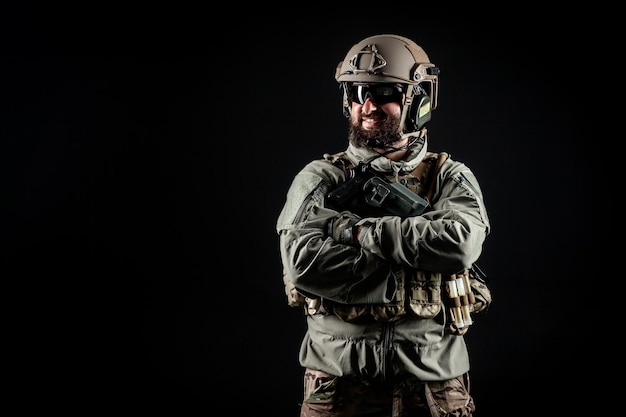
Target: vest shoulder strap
428,169
340,160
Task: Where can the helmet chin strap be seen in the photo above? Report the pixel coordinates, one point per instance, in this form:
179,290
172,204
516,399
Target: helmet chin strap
379,144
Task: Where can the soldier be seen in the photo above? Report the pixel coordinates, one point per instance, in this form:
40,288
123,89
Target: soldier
378,244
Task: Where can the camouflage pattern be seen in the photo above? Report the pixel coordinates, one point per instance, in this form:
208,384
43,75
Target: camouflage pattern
327,395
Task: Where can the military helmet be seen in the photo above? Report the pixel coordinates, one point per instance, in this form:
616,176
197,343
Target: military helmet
393,59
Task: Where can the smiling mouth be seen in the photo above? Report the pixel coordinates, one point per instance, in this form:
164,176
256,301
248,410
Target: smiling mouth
369,122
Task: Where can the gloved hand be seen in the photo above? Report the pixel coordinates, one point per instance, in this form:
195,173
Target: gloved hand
342,228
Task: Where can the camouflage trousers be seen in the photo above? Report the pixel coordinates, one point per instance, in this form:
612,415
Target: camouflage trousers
327,395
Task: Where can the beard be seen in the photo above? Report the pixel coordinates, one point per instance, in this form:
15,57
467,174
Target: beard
385,136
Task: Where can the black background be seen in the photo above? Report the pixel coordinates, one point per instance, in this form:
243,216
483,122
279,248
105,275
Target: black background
146,153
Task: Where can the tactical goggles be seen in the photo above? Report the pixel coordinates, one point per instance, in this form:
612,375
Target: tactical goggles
379,93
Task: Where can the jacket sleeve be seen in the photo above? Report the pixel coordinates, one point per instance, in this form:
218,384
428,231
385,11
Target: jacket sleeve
316,264
447,238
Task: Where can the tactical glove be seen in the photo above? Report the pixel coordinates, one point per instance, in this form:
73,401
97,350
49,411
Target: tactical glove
342,228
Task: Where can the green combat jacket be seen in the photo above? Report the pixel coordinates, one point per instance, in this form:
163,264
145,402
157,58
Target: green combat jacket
447,238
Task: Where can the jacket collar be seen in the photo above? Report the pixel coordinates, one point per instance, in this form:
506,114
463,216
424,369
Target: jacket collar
414,156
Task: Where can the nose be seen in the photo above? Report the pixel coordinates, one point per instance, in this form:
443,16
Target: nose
369,104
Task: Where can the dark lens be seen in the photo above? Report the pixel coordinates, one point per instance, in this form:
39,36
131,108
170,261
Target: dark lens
382,94
379,93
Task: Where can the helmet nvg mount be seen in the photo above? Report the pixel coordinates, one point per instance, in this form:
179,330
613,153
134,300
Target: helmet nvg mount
393,59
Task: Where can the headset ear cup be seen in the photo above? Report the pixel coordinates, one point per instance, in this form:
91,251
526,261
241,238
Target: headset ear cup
421,111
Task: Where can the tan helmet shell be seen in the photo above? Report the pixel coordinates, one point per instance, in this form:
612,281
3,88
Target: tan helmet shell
385,58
